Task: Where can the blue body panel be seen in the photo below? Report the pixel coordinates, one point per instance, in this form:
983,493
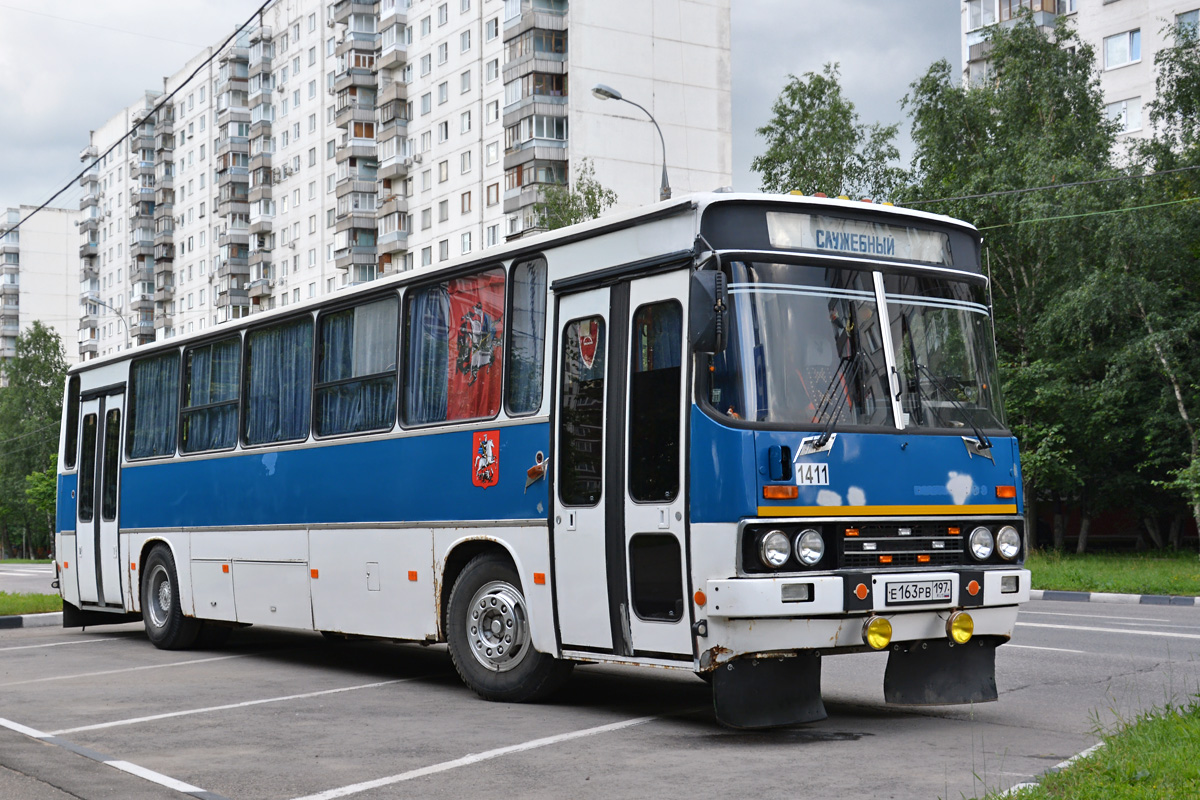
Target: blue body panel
889,473
410,479
66,502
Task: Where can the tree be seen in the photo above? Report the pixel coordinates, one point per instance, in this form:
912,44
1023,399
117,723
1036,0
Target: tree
560,205
1037,120
815,143
30,410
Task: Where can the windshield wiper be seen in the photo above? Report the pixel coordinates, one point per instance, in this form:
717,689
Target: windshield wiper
848,366
984,443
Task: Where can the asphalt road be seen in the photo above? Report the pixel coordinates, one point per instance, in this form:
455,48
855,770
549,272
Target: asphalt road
27,578
279,715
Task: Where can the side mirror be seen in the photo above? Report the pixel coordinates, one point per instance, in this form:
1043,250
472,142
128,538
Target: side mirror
707,317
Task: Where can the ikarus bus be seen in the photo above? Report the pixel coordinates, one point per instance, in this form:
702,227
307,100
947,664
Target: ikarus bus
732,434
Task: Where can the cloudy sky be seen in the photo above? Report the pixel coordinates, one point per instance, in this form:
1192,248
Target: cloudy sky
66,67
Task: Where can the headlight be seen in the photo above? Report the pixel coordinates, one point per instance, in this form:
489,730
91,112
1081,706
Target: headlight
981,543
774,549
1008,542
810,547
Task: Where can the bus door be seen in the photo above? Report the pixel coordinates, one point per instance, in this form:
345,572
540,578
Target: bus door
101,426
619,547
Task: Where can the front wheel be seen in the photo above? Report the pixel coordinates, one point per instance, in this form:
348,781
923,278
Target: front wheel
490,640
166,626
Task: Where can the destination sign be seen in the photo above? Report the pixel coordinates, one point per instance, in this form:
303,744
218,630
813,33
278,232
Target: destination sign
855,237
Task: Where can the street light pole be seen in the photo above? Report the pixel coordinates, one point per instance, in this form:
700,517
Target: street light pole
608,93
120,316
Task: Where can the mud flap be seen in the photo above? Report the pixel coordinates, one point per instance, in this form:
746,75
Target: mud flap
74,617
768,692
939,673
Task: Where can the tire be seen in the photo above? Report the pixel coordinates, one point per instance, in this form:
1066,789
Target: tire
166,626
487,630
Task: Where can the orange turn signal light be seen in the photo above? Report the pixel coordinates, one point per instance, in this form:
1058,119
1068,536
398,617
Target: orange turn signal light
954,531
539,578
973,588
852,531
885,559
781,492
1006,492
314,573
412,574
224,568
700,597
922,559
133,566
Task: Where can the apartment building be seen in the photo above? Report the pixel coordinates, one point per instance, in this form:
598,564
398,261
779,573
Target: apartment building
33,282
330,144
1125,34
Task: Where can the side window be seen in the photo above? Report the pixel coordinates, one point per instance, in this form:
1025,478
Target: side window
112,451
452,361
87,469
527,332
71,444
153,405
279,382
581,415
356,369
210,397
654,386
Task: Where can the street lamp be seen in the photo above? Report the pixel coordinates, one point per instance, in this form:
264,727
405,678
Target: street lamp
608,93
120,316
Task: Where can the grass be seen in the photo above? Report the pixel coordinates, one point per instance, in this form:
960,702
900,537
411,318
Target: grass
28,603
1151,758
1176,573
26,561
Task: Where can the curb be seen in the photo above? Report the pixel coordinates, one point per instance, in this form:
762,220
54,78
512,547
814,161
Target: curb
1108,597
51,620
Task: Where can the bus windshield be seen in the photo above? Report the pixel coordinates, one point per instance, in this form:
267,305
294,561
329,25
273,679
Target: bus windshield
944,353
805,348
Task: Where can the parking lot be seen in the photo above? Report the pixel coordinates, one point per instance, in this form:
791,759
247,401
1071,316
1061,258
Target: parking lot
281,715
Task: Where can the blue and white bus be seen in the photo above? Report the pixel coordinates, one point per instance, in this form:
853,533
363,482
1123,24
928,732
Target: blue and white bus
733,434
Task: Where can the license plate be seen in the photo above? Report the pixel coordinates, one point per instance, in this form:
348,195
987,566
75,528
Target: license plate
918,592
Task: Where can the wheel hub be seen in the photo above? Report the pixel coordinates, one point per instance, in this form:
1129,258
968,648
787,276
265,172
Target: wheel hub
160,596
498,627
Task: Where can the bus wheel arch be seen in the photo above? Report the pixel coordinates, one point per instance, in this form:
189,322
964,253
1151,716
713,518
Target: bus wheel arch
166,626
457,559
487,630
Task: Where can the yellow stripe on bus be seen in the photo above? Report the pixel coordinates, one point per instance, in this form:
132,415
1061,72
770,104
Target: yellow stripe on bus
883,511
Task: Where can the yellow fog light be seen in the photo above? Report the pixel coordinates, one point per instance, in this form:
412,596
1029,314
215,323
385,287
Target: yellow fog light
877,633
960,627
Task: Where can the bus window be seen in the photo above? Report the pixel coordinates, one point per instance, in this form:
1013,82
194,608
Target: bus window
654,402
279,382
72,432
153,404
527,342
356,369
210,396
455,331
581,417
87,469
112,438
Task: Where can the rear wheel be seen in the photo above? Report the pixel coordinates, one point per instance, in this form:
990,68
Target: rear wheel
166,626
489,636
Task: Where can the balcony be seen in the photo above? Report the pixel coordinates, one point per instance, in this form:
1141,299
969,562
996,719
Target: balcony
164,142
164,251
88,200
354,76
394,242
234,268
89,322
88,270
260,223
88,250
164,293
232,296
90,180
359,219
354,112
234,236
351,256
88,152
352,184
394,168
259,288
394,56
355,148
162,318
139,168
89,224
143,272
142,302
10,289
88,347
344,8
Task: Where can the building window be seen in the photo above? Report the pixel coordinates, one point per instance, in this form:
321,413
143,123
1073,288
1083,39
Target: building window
1124,48
492,28
465,162
1189,20
443,92
426,103
466,242
443,53
493,194
464,82
426,25
443,13
493,235
493,111
426,256
492,70
465,203
465,122
464,41
443,171
426,218
426,64
443,131
444,211
492,152
1128,113
443,249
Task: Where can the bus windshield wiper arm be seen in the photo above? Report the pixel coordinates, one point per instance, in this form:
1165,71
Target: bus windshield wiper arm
984,442
848,365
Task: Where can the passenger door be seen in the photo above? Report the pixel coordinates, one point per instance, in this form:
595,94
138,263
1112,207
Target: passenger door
96,523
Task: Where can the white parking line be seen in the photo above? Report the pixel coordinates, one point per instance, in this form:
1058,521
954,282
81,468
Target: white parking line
1091,616
1055,649
474,758
245,704
1109,630
60,644
126,669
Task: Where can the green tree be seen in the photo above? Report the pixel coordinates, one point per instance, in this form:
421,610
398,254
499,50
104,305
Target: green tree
815,143
584,198
30,409
1038,119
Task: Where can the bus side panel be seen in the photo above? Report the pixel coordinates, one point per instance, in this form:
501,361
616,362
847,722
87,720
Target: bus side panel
376,582
406,479
721,472
131,545
529,548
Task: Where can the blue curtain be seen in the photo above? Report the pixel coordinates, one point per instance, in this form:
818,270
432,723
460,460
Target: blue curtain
358,342
528,331
428,356
659,336
212,378
155,400
280,375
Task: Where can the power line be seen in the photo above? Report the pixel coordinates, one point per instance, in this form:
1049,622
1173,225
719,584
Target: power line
97,25
30,433
1090,213
1053,186
154,110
